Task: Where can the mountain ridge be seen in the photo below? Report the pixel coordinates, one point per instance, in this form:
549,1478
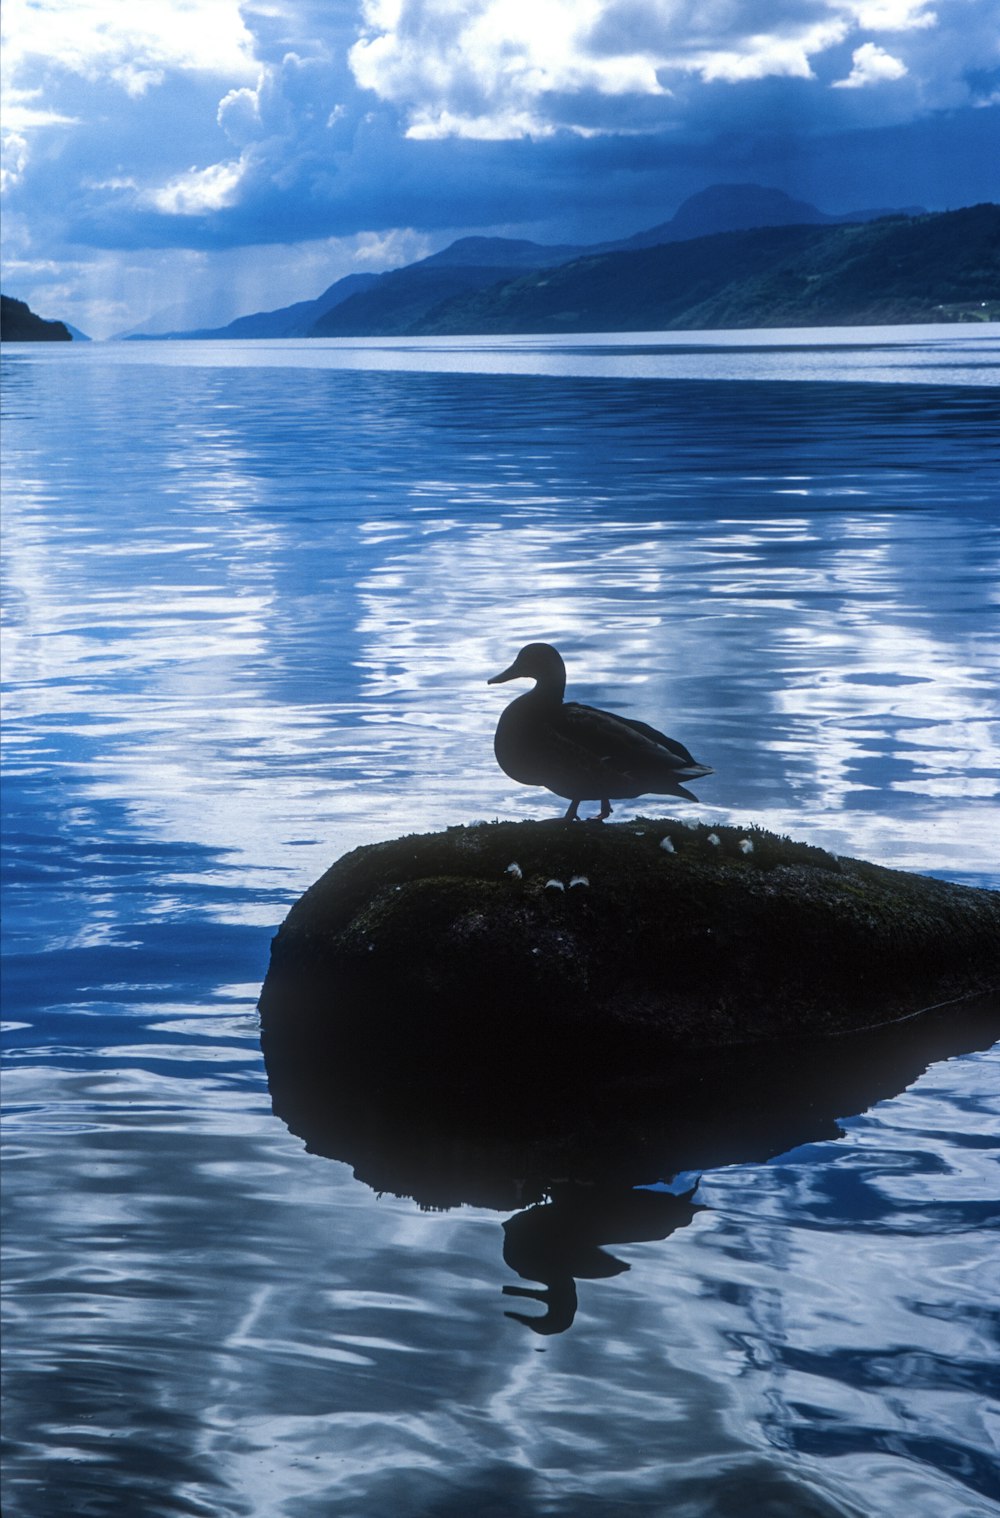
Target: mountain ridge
943,266
366,314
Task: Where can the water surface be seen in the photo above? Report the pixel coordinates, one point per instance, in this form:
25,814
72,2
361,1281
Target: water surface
253,595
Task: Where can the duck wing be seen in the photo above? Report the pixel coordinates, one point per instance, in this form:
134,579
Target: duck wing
618,756
625,742
688,761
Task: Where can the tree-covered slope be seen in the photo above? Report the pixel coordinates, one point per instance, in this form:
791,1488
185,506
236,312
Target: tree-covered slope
930,268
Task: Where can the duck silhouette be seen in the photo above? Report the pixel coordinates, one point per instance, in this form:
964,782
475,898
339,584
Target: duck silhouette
580,752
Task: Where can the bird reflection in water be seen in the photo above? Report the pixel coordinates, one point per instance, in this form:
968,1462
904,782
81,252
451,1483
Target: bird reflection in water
561,1241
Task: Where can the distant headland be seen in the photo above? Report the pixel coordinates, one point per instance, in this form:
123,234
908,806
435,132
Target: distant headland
19,324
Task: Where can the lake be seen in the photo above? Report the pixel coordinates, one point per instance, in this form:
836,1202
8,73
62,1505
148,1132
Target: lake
253,595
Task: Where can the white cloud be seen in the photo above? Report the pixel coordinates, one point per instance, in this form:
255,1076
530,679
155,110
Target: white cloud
388,250
890,15
130,43
133,47
766,55
494,69
872,65
239,115
199,190
476,70
15,158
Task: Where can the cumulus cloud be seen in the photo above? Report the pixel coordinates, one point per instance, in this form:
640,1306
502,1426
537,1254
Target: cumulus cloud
890,15
131,44
199,190
872,65
476,67
505,68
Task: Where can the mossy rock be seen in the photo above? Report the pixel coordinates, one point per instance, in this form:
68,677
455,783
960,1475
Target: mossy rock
543,956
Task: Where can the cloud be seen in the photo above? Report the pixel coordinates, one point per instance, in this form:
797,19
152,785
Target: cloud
228,128
131,44
890,15
199,190
494,69
872,65
53,47
477,67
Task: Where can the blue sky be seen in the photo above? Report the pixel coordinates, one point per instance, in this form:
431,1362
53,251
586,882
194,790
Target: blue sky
205,158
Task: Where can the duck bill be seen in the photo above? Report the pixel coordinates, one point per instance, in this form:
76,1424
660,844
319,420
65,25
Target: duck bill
507,674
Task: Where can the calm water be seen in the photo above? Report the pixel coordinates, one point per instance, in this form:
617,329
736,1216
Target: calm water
253,596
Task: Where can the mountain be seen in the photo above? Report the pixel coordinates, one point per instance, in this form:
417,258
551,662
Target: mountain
400,301
943,267
287,321
403,302
19,324
740,207
503,252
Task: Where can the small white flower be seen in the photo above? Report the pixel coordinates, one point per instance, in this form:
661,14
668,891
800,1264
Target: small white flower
690,823
554,885
514,870
667,846
714,840
746,846
579,880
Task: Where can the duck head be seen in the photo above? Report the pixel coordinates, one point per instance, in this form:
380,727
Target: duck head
536,661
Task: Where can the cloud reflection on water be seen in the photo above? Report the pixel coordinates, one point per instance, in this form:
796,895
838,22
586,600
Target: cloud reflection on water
303,579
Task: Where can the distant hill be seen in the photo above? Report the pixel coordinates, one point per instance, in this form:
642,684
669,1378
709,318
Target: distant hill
943,267
286,321
421,297
740,207
503,252
19,324
403,302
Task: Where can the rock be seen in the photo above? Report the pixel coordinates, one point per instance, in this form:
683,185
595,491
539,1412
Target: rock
426,967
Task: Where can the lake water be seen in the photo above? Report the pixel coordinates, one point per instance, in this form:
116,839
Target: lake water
253,595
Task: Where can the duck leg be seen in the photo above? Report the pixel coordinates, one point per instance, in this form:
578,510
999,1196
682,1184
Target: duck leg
606,810
570,813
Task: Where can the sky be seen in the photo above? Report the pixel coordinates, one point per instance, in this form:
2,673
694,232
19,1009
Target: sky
179,162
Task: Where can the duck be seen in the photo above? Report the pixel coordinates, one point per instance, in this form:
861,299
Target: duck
581,752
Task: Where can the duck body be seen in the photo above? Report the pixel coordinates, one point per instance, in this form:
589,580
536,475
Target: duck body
581,752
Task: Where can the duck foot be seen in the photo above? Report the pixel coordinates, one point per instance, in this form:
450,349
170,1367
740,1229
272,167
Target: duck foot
570,814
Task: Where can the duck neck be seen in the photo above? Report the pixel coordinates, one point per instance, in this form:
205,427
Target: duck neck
549,688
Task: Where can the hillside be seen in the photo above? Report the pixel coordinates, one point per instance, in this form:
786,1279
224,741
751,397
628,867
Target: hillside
943,267
402,300
740,207
287,321
19,324
397,302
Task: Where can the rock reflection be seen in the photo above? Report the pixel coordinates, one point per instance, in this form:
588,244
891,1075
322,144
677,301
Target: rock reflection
575,1170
